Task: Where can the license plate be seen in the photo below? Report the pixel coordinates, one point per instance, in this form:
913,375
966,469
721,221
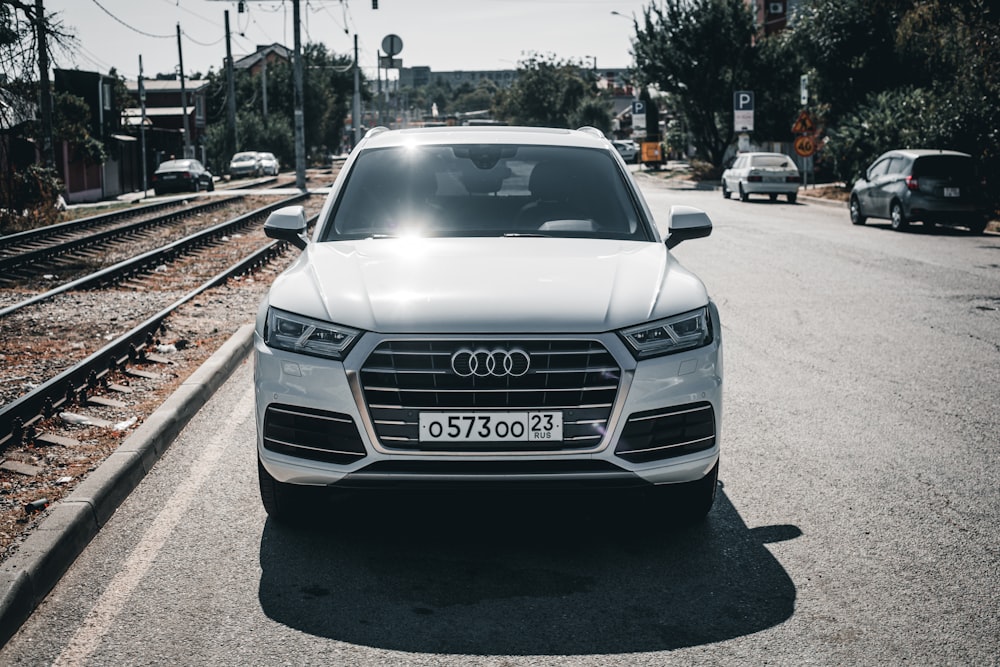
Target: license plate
168,177
490,426
774,179
951,192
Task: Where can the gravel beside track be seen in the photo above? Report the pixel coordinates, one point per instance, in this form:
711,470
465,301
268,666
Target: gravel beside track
48,337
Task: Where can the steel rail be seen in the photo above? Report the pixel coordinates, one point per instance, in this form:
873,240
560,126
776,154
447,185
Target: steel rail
85,223
19,417
32,256
141,263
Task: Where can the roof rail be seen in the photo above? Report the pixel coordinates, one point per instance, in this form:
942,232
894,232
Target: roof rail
591,130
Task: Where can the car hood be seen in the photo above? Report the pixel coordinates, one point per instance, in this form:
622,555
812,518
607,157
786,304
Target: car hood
492,285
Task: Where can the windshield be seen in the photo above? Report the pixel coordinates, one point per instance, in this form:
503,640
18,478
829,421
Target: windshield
485,190
243,157
771,161
956,167
174,164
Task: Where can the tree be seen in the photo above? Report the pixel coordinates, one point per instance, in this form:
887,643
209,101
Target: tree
328,87
905,73
848,47
549,92
27,192
699,51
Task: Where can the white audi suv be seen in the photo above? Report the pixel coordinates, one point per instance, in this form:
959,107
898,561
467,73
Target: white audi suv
488,308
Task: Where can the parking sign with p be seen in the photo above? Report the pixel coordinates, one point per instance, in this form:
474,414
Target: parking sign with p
743,110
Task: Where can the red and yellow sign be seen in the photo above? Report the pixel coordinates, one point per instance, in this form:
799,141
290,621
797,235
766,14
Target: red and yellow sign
803,124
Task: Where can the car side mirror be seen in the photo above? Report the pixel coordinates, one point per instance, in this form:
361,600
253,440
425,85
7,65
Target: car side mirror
687,222
288,224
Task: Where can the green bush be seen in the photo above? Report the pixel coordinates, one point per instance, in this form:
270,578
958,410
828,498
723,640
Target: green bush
29,198
705,171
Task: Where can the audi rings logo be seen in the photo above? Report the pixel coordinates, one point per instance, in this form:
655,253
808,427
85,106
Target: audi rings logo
490,363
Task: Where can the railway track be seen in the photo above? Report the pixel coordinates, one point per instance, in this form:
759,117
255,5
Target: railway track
73,245
49,336
81,369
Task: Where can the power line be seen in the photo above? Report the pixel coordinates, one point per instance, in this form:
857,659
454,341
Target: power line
132,28
192,39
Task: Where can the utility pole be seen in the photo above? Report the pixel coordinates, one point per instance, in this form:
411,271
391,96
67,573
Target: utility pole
263,84
188,151
356,106
300,140
231,97
48,150
142,128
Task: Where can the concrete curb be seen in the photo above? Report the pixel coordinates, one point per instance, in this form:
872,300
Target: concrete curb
34,570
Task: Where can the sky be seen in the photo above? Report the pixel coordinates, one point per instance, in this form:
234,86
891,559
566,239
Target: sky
440,34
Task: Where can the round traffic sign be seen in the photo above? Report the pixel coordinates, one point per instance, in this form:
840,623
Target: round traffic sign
391,45
805,145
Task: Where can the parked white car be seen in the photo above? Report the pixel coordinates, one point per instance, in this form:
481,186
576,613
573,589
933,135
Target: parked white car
269,164
488,307
772,174
628,149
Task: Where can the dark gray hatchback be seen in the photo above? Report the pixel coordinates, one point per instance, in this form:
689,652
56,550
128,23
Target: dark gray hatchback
935,187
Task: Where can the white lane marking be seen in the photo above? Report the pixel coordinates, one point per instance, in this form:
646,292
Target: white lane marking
111,603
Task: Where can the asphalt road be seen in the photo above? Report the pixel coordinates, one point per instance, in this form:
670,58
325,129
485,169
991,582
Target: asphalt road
859,521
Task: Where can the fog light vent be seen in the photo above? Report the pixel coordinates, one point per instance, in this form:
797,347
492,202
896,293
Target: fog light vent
667,433
312,434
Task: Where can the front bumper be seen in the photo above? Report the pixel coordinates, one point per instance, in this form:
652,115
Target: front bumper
655,393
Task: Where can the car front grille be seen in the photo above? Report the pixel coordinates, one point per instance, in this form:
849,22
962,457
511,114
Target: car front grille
666,433
312,434
402,378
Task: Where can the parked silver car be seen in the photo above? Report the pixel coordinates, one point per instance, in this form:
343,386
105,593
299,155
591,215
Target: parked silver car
246,163
772,174
933,186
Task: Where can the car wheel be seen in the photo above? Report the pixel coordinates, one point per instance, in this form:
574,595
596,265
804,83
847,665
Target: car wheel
857,218
793,197
725,190
773,197
689,503
196,185
743,195
286,503
211,185
977,227
897,218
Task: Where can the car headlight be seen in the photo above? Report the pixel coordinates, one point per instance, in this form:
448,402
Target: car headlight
673,334
297,333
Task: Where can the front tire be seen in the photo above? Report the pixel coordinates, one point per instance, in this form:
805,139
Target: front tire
897,218
285,503
725,191
857,218
689,503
